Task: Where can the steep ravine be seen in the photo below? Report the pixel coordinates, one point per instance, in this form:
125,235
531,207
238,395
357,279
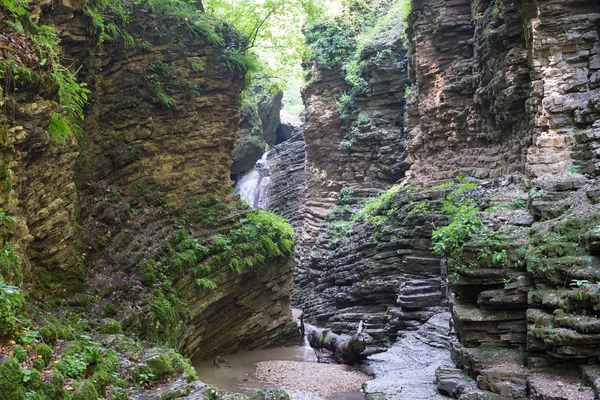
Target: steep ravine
451,204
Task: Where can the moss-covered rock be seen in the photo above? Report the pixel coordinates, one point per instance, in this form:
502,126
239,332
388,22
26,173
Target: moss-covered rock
11,379
87,392
19,353
271,394
48,334
44,351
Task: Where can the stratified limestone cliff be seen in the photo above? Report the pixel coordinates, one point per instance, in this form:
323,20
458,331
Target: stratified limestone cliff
147,182
504,93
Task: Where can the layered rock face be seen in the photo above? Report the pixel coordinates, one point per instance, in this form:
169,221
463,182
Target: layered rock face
287,189
382,272
158,141
506,93
357,150
46,215
259,126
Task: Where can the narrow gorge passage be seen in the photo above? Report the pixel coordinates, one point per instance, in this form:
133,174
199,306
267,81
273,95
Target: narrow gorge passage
182,180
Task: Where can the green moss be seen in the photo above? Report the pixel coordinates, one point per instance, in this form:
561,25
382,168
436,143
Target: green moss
161,367
122,240
104,376
87,392
19,353
11,380
45,352
110,310
39,364
182,366
169,318
271,394
64,333
34,380
113,327
119,394
48,334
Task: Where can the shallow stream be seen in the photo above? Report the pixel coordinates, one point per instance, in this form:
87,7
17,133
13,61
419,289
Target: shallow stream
240,377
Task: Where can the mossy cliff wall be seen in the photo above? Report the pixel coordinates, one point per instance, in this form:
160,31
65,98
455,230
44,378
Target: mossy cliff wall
157,145
505,93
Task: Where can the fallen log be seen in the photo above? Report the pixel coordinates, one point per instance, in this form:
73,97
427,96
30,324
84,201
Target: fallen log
346,349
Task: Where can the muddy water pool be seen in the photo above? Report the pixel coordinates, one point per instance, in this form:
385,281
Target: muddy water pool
240,377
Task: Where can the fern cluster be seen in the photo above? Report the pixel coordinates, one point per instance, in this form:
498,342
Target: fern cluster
263,236
465,223
46,70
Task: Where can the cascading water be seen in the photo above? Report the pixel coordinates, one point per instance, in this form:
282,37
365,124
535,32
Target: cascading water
253,187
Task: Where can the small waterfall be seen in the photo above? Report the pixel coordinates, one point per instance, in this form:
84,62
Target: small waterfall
253,186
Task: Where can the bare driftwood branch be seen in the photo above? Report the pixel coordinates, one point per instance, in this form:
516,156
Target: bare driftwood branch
345,349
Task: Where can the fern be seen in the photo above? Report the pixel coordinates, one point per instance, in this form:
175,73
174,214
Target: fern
60,128
206,283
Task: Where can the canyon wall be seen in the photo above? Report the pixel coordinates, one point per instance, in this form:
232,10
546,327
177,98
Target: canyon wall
109,218
502,97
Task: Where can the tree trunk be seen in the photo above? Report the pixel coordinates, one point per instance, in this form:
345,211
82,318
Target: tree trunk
345,349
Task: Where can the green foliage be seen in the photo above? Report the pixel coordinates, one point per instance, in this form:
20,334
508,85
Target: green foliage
519,203
72,365
46,69
500,258
335,230
48,334
448,240
105,374
261,237
371,210
19,353
170,316
271,29
11,304
346,195
112,327
110,310
330,41
44,351
11,378
88,391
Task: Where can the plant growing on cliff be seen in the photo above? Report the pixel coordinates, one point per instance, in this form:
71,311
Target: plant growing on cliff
11,304
262,237
379,209
448,240
42,65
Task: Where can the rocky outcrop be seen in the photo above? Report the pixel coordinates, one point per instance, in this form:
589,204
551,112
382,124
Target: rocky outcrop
357,149
258,129
379,269
287,189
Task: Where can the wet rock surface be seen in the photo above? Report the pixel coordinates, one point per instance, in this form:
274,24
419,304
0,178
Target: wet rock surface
408,369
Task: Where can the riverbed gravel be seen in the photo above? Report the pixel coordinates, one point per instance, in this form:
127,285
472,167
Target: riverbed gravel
322,379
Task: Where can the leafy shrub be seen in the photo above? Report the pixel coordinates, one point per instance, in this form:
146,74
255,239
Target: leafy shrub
329,41
72,365
448,240
11,304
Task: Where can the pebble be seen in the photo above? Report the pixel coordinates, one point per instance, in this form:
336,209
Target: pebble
322,379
